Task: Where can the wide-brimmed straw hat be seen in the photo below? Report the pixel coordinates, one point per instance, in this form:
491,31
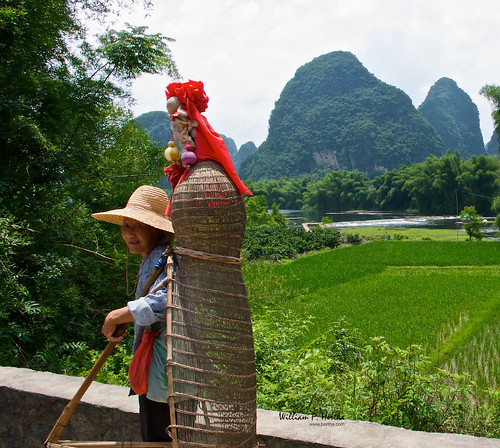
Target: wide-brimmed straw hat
146,204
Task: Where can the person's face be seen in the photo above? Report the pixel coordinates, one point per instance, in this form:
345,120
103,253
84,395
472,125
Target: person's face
140,238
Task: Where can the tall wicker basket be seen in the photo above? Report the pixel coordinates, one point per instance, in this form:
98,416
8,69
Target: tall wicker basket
212,365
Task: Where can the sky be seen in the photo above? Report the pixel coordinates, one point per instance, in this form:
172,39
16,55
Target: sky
245,51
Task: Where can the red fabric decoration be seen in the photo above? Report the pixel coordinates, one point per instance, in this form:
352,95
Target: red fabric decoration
209,144
192,91
176,173
138,369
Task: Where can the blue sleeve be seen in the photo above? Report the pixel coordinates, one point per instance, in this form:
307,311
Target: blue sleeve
151,308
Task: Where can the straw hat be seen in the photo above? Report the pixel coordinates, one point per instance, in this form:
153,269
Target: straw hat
146,204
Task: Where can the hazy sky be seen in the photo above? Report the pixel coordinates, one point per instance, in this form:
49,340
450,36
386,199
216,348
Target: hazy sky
245,51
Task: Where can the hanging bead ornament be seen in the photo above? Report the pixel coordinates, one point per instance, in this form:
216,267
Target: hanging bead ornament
172,153
185,132
188,158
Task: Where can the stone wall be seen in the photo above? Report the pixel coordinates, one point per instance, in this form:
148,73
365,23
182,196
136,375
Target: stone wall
31,402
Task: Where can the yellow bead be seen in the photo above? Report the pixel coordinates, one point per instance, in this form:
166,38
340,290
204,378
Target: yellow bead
172,153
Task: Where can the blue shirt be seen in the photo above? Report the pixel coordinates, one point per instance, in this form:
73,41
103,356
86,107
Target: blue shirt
148,310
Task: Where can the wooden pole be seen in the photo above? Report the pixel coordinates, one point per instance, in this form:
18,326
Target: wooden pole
68,411
168,337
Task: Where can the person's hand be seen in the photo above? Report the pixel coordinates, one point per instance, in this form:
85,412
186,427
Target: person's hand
115,323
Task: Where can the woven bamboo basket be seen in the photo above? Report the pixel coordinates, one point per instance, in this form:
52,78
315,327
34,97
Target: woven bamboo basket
211,365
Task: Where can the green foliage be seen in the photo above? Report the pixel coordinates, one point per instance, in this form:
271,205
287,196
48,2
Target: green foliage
431,186
16,303
113,371
295,379
496,208
276,218
492,92
340,190
278,242
286,192
353,238
399,237
441,185
480,182
336,376
70,149
256,210
257,215
129,53
473,222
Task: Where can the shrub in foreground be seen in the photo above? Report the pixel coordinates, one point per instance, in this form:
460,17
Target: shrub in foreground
277,242
339,377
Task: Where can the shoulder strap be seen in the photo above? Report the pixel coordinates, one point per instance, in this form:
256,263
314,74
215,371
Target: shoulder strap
156,273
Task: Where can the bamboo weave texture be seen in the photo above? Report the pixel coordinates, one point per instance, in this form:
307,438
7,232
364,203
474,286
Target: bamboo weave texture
213,365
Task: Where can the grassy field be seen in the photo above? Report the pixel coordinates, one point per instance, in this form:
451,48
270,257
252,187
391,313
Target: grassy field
444,296
407,233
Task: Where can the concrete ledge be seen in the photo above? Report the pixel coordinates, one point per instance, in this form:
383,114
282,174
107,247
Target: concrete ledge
31,402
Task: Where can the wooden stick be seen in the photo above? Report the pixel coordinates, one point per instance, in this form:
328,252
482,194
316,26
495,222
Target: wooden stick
168,337
153,278
68,411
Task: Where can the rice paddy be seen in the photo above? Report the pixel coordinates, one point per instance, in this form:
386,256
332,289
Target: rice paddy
444,296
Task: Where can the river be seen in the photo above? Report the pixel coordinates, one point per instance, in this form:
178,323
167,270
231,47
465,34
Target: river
365,218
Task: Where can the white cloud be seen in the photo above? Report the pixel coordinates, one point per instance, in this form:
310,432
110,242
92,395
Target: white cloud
246,50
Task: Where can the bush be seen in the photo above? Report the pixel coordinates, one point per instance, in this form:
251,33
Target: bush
16,305
353,238
278,242
399,237
114,371
337,376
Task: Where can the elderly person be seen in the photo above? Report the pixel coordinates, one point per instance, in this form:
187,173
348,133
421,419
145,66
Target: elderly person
146,231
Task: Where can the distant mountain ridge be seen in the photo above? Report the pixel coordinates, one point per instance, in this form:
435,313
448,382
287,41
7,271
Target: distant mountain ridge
157,125
492,148
335,114
455,118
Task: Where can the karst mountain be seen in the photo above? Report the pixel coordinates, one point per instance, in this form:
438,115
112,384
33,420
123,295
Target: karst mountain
335,114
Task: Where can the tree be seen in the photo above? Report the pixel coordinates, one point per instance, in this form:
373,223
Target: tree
492,92
276,218
256,210
339,191
69,148
496,208
473,222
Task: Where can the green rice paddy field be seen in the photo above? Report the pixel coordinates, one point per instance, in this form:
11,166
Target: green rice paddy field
442,295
